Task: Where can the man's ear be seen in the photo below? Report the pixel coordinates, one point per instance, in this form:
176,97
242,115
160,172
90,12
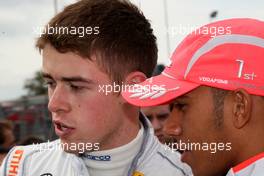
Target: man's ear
242,108
135,78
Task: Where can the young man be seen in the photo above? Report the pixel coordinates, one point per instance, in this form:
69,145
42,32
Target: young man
215,85
88,49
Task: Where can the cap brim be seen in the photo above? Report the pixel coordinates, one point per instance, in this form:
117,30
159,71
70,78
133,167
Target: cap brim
162,90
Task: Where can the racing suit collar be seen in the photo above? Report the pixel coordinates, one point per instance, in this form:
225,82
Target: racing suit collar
248,162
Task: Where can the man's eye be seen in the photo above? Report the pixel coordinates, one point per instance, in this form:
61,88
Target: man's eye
76,88
162,116
180,106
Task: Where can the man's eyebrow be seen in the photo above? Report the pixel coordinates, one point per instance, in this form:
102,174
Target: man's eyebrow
77,79
69,79
162,113
183,97
46,75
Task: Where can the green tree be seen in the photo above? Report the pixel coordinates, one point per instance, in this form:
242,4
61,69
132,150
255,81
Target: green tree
35,86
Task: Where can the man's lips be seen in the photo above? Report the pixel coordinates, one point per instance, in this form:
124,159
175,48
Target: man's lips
184,155
62,129
185,151
174,143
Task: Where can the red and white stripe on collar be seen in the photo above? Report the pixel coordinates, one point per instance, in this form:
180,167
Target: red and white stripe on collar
247,163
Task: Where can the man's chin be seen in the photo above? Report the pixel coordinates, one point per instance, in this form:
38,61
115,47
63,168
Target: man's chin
76,152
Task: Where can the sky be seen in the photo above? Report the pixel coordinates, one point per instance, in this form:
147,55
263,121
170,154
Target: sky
21,19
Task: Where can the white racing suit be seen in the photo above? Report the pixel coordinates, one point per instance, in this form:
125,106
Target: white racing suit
153,159
251,167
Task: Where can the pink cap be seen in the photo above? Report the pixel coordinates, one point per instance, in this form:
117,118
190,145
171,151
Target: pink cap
227,54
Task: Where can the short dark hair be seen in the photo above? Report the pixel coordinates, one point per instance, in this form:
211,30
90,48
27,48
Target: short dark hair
218,102
125,41
158,69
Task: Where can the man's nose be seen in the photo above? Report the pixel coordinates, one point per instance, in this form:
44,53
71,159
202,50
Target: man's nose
58,101
172,126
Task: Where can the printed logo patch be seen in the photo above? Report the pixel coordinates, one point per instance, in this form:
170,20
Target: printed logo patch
46,174
136,173
15,161
99,158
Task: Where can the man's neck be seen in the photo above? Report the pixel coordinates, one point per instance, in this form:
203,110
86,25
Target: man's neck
124,132
114,162
249,150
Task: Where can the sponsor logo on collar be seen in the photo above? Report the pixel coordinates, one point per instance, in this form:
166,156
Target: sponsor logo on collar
46,174
98,158
137,173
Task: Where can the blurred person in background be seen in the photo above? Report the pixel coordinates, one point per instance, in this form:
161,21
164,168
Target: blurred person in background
157,115
7,138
